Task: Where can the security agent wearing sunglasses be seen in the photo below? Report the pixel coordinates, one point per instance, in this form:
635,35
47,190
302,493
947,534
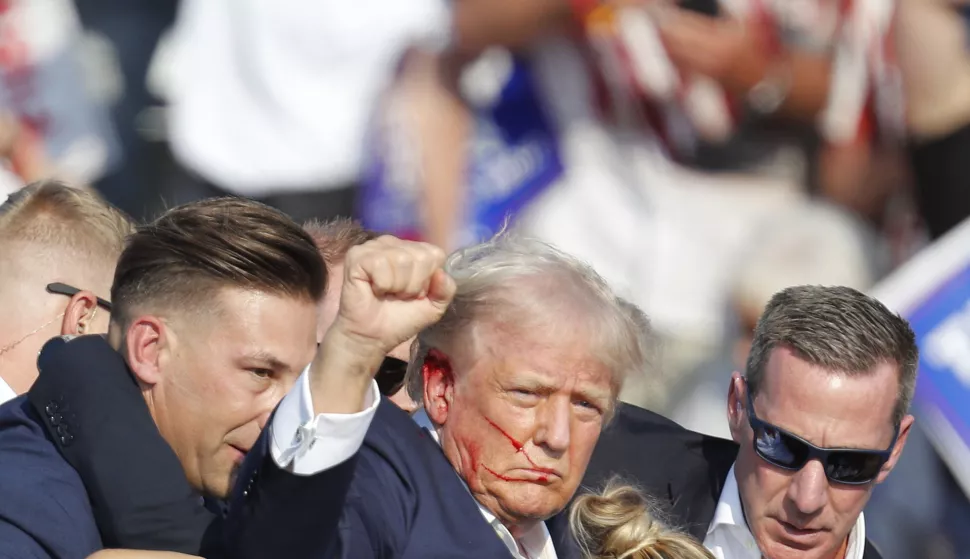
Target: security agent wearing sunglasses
820,415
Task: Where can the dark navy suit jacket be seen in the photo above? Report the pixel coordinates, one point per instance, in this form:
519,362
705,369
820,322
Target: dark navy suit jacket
44,509
398,497
82,464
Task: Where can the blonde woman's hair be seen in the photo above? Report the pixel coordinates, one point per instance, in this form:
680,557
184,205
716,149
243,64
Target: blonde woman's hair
619,523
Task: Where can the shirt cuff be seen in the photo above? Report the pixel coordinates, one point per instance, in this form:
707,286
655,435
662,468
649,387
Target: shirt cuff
306,445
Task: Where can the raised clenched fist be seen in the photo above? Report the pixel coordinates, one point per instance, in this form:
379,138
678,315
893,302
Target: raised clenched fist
392,289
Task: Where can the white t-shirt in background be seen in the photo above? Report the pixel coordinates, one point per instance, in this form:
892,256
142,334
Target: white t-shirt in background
276,95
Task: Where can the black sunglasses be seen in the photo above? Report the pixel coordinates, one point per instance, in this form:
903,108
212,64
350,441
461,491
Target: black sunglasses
70,291
390,376
847,466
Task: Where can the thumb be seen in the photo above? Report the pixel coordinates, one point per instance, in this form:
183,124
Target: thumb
441,289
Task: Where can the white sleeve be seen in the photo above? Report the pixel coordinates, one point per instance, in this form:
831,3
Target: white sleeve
306,445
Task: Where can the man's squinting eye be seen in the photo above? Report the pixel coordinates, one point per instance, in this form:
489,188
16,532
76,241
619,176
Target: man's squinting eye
586,404
262,373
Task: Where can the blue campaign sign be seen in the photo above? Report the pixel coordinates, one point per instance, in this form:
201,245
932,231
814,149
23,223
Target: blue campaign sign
933,292
514,156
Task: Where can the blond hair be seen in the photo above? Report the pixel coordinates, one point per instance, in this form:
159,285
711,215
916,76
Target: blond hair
55,225
619,523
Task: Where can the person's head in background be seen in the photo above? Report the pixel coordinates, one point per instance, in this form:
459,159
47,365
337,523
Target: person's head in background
334,239
813,244
821,416
58,250
215,313
619,522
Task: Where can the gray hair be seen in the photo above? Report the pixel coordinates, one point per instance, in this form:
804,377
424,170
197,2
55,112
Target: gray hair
514,280
839,329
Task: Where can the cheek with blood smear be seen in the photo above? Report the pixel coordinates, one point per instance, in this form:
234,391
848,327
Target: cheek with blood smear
519,449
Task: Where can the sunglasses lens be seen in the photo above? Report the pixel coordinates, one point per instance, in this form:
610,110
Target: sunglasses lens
390,377
853,467
780,449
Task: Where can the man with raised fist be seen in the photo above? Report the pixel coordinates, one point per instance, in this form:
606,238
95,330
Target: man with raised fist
518,376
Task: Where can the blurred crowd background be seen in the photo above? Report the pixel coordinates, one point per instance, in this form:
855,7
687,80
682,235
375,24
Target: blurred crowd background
702,155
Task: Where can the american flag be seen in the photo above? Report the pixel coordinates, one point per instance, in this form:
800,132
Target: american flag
638,85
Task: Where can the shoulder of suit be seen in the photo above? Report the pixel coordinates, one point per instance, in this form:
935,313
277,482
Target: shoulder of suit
395,438
42,495
31,463
636,421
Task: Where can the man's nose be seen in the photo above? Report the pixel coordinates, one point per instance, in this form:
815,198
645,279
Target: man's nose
809,488
552,432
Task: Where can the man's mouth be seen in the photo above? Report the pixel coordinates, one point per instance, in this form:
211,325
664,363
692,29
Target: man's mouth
799,536
240,450
526,475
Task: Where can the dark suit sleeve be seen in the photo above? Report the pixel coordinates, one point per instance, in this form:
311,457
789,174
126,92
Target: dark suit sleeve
355,510
15,544
97,418
44,511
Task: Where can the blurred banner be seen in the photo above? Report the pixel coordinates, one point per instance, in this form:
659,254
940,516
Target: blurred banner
933,292
42,84
514,157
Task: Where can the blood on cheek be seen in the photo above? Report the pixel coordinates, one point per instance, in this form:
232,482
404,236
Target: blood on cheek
519,449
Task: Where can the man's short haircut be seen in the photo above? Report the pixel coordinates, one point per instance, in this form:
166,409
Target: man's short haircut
511,282
336,237
68,226
186,256
840,330
50,212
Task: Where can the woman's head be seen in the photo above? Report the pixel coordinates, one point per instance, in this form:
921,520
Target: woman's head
619,523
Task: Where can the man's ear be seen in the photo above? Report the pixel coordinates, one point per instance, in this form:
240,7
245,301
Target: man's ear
439,385
146,339
80,314
904,426
735,406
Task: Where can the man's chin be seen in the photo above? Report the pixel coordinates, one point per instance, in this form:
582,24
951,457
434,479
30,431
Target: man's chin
533,509
781,544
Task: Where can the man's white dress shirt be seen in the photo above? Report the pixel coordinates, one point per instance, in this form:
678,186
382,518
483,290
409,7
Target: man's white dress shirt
6,393
307,445
728,536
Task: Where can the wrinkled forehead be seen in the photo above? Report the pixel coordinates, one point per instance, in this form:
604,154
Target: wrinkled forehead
529,361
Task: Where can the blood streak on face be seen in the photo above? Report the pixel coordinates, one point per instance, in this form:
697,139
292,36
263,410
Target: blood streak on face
519,448
504,478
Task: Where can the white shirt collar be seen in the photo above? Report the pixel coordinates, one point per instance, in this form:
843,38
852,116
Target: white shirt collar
6,393
536,542
728,536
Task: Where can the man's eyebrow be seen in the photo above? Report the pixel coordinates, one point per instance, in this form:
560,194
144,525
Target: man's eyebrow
594,395
266,359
